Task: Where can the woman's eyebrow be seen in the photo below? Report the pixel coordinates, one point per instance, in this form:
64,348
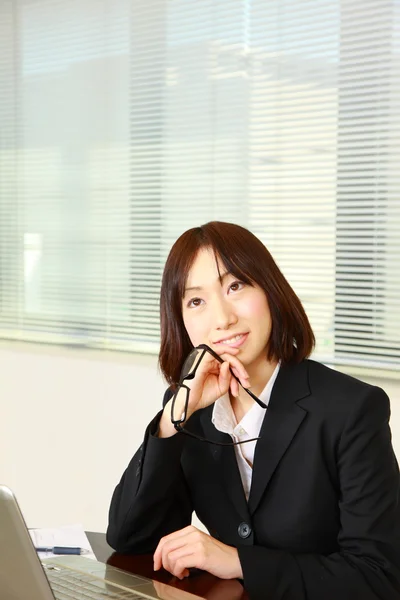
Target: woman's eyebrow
198,288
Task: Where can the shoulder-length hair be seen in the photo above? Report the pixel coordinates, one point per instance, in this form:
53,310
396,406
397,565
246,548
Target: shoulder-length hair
245,257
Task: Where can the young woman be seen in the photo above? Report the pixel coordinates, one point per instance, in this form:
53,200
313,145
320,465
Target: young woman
288,463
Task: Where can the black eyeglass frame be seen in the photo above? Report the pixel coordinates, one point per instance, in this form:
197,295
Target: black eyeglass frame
177,423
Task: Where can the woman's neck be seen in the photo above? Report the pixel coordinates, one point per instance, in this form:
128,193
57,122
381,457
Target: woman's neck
260,375
258,380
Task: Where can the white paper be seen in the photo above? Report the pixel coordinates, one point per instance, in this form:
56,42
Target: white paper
68,535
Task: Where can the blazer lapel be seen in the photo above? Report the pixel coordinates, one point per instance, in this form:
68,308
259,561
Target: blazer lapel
282,419
226,463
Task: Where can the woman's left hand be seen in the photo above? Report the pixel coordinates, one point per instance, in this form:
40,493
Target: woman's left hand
190,547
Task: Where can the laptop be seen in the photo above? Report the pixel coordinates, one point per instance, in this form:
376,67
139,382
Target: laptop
24,577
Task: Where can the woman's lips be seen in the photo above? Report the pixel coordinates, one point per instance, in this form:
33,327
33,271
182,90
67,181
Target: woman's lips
235,344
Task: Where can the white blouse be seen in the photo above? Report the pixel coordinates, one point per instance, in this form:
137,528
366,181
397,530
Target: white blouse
223,419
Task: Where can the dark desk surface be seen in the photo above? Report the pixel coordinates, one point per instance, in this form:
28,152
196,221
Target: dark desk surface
202,584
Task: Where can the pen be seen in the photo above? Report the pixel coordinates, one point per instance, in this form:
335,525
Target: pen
60,550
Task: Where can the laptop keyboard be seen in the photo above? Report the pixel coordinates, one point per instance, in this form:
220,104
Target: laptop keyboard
71,585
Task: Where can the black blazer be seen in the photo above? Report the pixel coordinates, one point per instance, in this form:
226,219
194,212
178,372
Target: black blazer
323,518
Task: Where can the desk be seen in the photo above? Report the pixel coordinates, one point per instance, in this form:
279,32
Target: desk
202,584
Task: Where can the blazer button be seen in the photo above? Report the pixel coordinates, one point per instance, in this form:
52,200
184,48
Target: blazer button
244,530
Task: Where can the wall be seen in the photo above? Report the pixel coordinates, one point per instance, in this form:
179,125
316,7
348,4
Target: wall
72,419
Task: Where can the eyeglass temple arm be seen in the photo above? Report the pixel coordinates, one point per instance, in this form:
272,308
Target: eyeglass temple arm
259,402
202,439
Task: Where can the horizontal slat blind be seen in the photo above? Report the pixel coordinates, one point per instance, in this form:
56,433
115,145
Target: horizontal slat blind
367,307
293,139
125,122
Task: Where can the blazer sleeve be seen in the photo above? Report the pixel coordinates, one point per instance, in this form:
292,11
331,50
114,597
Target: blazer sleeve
367,566
152,498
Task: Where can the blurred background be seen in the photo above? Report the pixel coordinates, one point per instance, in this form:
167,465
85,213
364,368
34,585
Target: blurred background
125,122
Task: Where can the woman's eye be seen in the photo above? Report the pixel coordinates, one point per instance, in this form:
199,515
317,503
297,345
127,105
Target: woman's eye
236,286
194,302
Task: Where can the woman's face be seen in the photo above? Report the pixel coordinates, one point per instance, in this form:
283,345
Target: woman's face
228,313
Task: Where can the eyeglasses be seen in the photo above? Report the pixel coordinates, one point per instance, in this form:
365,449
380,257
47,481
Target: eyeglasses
181,395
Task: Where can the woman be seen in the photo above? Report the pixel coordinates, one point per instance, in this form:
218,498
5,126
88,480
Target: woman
307,510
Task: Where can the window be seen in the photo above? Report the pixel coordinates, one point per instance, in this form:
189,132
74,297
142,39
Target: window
123,123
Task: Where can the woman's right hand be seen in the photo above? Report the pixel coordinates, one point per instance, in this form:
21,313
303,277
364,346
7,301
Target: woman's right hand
213,379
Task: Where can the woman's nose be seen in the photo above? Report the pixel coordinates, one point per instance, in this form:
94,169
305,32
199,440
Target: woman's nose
223,315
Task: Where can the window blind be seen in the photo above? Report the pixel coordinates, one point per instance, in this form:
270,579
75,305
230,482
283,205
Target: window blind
123,123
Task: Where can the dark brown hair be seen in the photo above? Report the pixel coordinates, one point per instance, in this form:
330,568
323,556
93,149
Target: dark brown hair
245,257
